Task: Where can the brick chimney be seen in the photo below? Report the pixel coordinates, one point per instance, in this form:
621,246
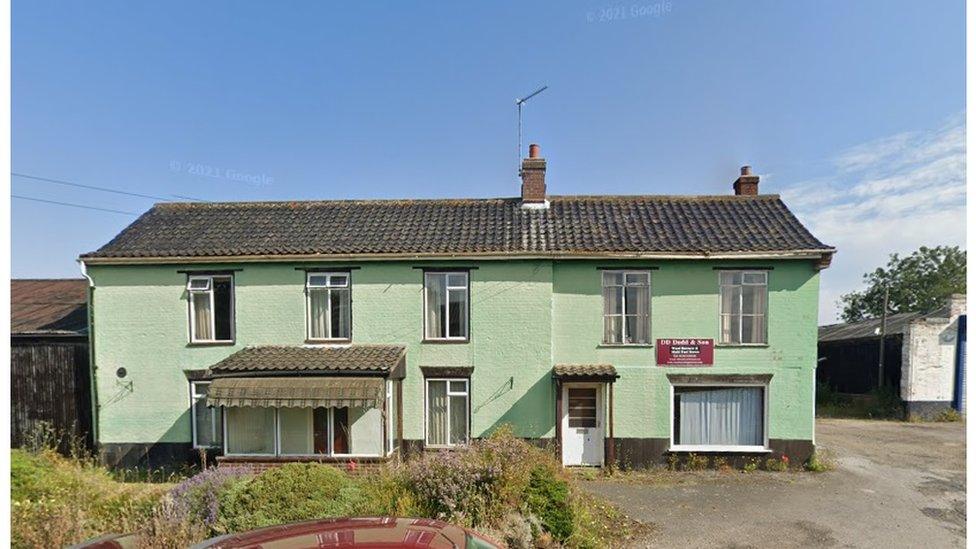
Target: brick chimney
746,184
533,177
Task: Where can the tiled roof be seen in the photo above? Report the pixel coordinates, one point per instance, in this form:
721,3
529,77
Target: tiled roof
281,358
570,225
49,306
584,370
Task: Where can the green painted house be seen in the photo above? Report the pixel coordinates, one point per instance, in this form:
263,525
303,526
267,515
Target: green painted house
614,328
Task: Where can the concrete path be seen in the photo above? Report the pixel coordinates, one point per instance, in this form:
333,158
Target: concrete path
895,485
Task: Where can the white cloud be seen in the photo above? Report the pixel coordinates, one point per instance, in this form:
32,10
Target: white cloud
890,195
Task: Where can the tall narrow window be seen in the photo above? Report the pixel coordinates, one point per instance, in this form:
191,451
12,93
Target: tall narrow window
211,308
446,305
329,306
447,412
626,307
207,421
743,307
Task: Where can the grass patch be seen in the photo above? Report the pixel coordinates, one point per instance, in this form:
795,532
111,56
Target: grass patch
880,403
501,485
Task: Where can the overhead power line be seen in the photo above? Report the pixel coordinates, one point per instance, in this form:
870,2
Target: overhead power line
103,189
72,205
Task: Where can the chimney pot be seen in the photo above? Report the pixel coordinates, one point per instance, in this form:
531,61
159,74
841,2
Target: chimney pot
533,177
747,184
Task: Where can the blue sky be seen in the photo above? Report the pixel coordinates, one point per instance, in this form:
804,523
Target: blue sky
854,111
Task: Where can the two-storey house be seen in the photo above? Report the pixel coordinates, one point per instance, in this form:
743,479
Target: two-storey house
616,328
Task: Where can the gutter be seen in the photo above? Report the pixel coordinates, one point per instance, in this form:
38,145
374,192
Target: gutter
92,382
818,254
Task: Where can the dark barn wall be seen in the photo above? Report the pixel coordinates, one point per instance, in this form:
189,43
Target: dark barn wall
50,382
851,366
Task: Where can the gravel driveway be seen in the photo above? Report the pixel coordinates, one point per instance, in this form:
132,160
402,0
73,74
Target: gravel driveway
895,485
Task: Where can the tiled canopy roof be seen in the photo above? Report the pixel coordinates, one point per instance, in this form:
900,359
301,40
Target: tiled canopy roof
569,371
498,226
354,359
49,307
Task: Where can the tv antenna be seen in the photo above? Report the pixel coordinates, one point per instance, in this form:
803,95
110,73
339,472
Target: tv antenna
519,103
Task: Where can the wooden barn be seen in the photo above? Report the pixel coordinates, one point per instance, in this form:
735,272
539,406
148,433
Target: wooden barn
50,381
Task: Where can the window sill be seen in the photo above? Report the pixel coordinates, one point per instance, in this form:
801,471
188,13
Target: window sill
444,447
722,449
625,346
446,341
741,345
323,458
328,342
211,343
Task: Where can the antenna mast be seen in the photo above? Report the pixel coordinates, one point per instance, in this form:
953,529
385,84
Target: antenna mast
518,103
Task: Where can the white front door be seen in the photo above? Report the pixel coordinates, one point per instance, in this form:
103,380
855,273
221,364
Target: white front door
582,424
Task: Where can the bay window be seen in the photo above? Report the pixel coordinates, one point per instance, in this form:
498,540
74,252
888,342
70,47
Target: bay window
448,421
328,306
626,307
742,309
719,418
211,302
446,305
256,431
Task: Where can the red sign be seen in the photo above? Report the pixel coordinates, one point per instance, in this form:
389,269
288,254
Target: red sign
685,352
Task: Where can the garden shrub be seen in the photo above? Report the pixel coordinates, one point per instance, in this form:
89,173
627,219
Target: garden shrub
547,497
290,493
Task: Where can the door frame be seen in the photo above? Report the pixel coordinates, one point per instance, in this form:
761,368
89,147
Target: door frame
601,420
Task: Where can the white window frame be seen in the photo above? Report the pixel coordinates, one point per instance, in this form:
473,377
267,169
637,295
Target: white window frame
277,440
194,397
447,300
213,310
764,449
328,289
623,306
765,315
389,417
466,393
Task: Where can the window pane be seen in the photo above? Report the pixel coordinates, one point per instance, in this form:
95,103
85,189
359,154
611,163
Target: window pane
753,300
296,430
201,316
730,416
613,329
340,314
582,408
611,278
341,437
730,329
320,430
731,277
456,280
317,280
318,320
459,313
437,412
754,329
250,430
222,308
338,280
613,300
639,279
200,284
730,299
436,304
754,278
459,419
206,427
458,387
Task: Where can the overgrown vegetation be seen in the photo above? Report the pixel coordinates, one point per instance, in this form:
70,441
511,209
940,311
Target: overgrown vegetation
502,486
880,403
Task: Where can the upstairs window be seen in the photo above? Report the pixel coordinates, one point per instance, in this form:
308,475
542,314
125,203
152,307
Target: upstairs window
446,306
329,306
211,300
743,307
626,307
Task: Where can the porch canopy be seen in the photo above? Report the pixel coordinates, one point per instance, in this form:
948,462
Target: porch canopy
585,372
297,392
311,360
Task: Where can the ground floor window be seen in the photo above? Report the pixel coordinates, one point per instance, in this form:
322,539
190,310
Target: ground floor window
304,431
447,412
206,422
717,418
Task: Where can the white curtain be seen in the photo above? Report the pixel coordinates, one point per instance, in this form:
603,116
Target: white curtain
730,416
201,316
250,430
436,300
437,412
296,430
612,309
318,314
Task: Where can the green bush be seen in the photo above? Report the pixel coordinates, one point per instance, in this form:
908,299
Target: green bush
548,499
290,493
